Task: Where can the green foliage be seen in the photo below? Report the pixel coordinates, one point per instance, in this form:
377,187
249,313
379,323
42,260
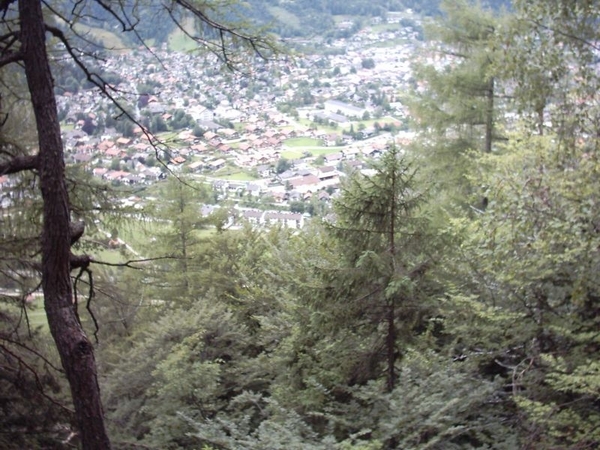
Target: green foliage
192,364
297,206
34,408
284,429
437,405
524,258
535,274
458,112
549,57
136,401
400,321
282,165
373,294
367,63
178,241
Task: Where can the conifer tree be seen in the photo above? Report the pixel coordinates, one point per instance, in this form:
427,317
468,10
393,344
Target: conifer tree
175,232
547,58
456,106
383,243
523,269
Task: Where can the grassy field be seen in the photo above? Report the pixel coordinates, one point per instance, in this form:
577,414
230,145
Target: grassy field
285,16
233,173
297,154
295,148
292,154
37,315
303,142
241,176
171,138
327,129
112,256
179,41
338,18
371,123
109,40
325,151
391,43
382,27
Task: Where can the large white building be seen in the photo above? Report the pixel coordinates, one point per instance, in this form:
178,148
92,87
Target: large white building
337,107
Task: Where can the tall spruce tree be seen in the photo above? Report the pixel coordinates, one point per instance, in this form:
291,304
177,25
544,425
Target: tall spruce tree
455,107
383,243
177,216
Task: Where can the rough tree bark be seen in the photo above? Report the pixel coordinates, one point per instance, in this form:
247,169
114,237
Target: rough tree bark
75,349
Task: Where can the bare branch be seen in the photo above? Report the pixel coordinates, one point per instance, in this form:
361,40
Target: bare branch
131,28
105,89
80,261
24,307
258,44
11,37
29,349
7,54
88,304
4,5
38,383
91,294
19,164
76,230
131,263
84,261
565,34
10,57
125,23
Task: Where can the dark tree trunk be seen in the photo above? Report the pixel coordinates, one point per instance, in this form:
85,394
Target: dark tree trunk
75,349
391,313
391,346
540,117
489,117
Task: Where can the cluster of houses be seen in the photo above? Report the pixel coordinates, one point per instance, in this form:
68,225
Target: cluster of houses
237,117
259,218
133,160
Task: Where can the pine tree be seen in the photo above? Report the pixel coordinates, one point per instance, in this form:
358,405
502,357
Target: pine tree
383,245
456,110
176,236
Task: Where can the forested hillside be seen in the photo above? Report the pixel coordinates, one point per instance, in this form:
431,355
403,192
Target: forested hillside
297,18
448,300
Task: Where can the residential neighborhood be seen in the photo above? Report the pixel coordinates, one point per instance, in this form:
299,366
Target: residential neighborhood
324,114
